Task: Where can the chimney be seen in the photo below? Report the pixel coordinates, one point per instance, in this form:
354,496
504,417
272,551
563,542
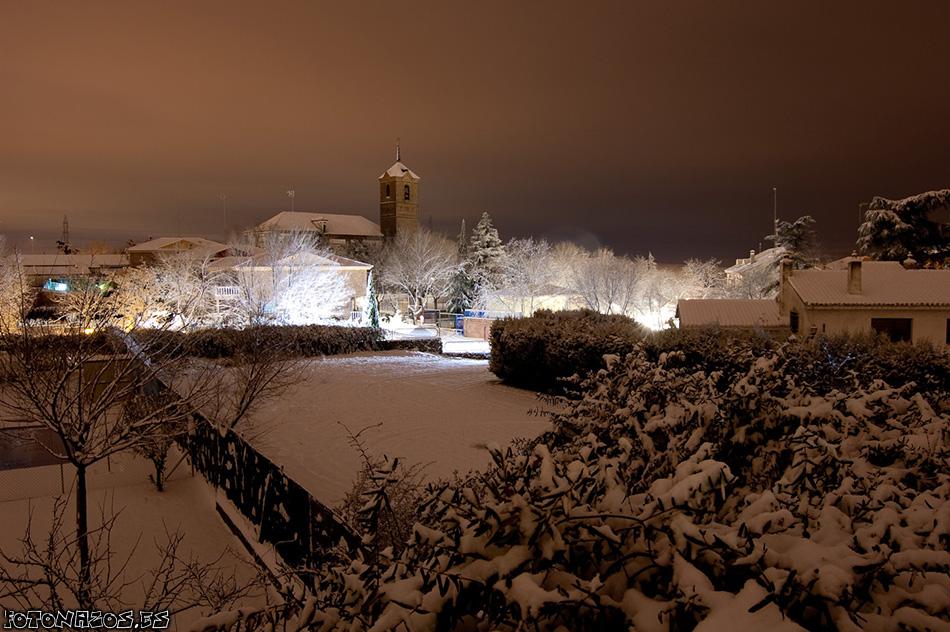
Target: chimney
854,276
785,271
752,256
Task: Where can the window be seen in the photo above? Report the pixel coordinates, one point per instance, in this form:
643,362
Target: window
389,193
406,193
897,329
793,321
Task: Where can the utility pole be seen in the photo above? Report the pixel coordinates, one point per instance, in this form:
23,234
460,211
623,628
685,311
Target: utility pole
224,208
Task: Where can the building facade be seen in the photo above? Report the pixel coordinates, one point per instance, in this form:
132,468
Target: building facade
868,296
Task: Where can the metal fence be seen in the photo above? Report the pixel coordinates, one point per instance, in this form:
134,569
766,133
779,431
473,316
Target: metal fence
302,530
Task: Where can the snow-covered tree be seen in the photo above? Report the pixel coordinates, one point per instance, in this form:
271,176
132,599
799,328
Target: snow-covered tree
76,386
756,282
526,272
485,254
462,292
420,265
702,279
289,280
371,318
176,292
799,240
16,296
607,283
896,229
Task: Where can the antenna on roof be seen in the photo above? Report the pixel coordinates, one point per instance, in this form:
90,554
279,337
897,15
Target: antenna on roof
291,194
398,158
775,211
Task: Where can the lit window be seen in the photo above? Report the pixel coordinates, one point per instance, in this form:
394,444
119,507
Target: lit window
388,192
406,193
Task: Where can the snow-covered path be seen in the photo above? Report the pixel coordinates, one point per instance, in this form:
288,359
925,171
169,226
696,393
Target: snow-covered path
432,409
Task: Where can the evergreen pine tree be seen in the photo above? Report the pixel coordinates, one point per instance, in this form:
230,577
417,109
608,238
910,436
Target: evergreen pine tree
372,306
485,253
463,286
896,229
799,240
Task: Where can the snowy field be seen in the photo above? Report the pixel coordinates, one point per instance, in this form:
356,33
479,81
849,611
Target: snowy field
432,409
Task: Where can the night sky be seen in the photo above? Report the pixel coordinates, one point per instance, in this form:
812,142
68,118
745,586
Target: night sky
655,126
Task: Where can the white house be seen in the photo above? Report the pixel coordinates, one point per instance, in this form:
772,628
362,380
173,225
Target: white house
882,296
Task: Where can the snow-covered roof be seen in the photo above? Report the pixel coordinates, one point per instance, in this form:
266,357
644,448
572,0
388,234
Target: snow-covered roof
77,264
767,257
883,283
262,260
729,313
336,224
177,244
398,170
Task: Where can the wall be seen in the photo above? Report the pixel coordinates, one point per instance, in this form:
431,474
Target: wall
929,324
477,327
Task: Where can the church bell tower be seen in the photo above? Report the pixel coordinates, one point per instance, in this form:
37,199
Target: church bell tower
398,199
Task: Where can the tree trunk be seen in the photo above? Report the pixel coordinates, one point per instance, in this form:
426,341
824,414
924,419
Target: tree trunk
160,474
82,536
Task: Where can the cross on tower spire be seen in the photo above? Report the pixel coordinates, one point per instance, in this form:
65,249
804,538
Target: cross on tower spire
397,150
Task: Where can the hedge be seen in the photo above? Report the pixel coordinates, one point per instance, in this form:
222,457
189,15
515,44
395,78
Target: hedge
539,351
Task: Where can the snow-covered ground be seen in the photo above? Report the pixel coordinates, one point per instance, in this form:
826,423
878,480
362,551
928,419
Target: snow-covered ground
144,517
432,409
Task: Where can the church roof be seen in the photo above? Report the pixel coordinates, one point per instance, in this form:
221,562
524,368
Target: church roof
398,170
336,224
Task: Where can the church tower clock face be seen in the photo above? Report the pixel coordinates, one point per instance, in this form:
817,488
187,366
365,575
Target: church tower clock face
398,199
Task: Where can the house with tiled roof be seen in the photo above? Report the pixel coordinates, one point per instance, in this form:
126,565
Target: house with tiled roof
154,250
761,314
896,300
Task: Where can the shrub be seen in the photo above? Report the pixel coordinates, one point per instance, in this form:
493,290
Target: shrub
539,351
294,341
666,498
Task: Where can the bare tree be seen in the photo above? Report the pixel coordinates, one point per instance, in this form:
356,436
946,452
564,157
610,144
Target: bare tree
526,272
16,295
176,293
77,385
702,279
421,265
609,284
47,573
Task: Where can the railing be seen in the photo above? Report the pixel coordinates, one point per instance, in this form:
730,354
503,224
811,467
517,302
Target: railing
302,530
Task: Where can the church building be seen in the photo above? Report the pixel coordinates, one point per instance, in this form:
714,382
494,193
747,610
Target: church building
398,213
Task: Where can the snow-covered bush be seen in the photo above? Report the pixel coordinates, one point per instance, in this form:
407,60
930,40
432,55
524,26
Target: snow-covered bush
294,341
538,351
669,498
